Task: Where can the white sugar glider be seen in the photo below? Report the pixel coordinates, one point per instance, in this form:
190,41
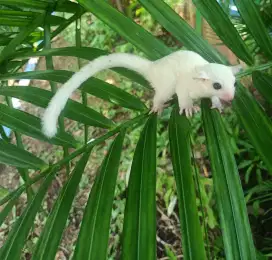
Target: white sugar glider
183,72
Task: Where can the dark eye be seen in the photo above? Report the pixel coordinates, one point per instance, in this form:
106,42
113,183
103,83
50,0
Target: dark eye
235,84
217,85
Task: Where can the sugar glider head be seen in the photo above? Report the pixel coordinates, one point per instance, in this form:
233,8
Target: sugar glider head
217,80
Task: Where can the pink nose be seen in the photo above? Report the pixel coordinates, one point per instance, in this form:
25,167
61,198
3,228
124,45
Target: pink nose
228,97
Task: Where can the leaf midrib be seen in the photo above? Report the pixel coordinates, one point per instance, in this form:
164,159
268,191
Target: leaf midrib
183,194
228,188
99,197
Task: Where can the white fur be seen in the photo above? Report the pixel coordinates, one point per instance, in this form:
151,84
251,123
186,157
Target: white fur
58,102
185,73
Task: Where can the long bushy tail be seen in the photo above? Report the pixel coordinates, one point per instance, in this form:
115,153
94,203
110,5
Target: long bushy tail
56,105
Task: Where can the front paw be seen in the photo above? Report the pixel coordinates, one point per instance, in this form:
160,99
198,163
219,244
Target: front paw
156,109
189,111
217,106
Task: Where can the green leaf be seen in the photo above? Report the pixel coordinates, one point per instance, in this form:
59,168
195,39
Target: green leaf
30,125
251,16
92,86
249,70
263,83
171,255
11,47
33,37
4,40
87,53
93,238
68,7
13,155
8,207
59,76
3,192
191,233
83,53
17,236
73,110
139,232
23,21
49,240
231,205
180,29
112,94
245,163
63,26
256,122
223,27
27,3
14,13
126,27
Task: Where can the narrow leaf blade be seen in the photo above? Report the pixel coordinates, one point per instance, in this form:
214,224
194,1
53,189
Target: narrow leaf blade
83,53
12,155
74,110
180,29
263,83
256,122
11,202
223,27
251,15
113,94
17,236
230,200
20,37
130,30
93,238
192,237
30,125
49,240
139,232
92,86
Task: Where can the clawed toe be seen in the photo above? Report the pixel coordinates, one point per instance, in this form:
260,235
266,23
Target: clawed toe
219,108
189,111
156,110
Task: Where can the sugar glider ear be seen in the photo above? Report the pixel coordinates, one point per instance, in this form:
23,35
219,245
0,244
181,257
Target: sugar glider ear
200,73
235,69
